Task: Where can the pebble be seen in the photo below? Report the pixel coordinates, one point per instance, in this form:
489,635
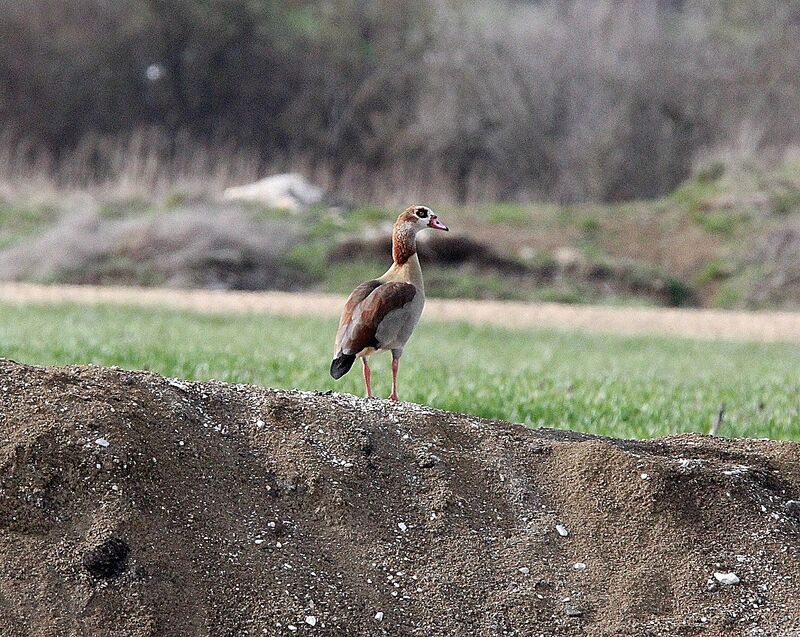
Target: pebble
379,616
402,527
311,620
562,530
793,506
102,442
579,566
727,579
524,570
259,423
736,470
574,612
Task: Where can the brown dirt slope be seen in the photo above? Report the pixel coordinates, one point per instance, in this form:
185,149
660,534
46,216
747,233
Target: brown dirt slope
220,510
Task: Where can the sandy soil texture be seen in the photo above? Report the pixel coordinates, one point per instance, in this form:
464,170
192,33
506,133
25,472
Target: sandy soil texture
133,505
707,324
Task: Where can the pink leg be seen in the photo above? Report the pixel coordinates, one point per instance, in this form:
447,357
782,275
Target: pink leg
367,377
395,365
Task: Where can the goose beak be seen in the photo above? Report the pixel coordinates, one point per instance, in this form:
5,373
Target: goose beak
433,222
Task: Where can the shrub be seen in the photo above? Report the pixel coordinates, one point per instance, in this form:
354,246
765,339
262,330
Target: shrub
568,100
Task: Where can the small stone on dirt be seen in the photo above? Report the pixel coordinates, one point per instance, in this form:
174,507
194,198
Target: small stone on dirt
311,620
574,612
726,579
562,530
579,566
379,616
102,442
524,570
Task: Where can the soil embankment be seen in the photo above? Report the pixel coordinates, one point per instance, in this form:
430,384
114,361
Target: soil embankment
134,505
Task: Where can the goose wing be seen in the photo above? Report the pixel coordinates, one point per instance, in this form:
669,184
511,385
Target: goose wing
372,315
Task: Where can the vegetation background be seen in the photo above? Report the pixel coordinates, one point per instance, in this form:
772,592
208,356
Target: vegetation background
604,151
494,100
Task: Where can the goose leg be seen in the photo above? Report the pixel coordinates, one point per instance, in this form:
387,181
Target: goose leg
395,365
367,377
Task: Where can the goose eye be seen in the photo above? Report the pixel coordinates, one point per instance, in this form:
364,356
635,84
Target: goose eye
422,213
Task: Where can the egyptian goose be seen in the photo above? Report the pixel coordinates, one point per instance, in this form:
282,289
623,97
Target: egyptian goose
380,315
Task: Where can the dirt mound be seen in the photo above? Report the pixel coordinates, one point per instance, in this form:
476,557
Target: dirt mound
455,250
595,278
135,505
200,246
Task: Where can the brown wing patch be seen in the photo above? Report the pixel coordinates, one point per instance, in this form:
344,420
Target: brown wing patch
356,296
359,331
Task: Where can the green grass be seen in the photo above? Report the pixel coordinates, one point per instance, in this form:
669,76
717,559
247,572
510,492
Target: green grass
627,387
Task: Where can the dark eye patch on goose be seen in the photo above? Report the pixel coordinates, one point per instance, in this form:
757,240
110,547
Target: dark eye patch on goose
422,213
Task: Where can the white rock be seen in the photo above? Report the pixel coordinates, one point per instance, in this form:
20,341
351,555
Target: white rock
562,530
736,470
292,628
645,476
311,620
726,579
524,570
579,566
402,527
567,257
379,616
102,442
288,191
259,423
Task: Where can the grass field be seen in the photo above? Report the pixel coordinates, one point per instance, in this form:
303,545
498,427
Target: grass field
626,387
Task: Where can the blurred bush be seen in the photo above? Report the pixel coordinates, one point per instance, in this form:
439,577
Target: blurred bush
491,100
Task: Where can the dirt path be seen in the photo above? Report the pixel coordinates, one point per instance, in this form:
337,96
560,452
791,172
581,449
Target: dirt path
706,324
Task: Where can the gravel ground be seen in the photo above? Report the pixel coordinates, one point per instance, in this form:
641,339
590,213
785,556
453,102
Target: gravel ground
706,324
134,505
